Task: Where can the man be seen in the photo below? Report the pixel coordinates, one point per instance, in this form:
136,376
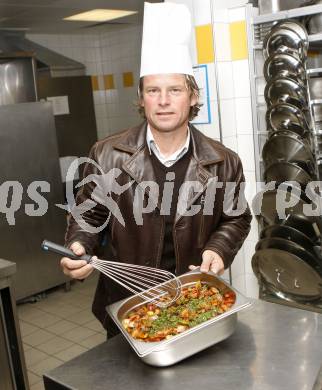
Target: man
170,152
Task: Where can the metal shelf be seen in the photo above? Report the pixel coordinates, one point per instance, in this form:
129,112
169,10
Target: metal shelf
257,27
314,71
315,41
262,132
315,102
315,37
256,30
292,13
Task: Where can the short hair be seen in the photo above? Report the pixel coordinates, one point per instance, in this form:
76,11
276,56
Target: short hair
191,85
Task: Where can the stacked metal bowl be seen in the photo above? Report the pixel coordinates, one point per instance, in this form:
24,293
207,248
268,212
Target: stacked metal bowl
287,261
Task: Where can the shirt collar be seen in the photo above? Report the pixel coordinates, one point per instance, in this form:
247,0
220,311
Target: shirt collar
170,160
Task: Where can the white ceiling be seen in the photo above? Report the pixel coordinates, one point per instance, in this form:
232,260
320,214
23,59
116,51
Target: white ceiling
45,16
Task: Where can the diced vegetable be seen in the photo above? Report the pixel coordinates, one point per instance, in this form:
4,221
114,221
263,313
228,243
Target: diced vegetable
197,304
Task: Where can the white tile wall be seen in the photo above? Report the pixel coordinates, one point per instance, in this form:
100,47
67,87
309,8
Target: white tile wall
250,179
228,120
212,81
244,115
238,265
237,129
225,80
253,234
188,3
227,4
212,130
225,276
249,250
252,288
241,78
239,282
215,119
107,52
222,41
231,143
202,12
246,151
236,14
219,15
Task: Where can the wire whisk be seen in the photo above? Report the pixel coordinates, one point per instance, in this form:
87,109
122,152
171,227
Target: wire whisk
153,285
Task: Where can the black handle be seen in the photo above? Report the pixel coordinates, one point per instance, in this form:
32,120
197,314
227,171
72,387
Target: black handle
61,250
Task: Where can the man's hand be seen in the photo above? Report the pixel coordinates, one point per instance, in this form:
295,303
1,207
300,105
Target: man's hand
211,261
76,269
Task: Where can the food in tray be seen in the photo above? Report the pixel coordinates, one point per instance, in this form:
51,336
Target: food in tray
196,304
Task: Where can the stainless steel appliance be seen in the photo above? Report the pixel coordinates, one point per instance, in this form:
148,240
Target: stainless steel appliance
31,142
17,78
13,375
28,156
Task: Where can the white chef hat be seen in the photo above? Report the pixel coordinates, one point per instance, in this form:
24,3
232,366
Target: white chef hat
166,39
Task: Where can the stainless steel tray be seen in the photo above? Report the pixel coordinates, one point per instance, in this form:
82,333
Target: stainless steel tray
181,346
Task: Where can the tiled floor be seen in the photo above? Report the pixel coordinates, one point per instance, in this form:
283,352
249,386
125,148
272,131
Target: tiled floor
58,328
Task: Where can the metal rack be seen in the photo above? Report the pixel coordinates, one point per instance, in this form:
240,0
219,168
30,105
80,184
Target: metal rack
257,27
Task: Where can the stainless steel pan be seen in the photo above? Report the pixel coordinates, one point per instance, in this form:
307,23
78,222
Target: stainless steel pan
303,277
286,147
290,234
297,27
292,247
179,347
288,275
293,128
309,225
283,39
283,116
279,63
264,207
285,171
286,90
306,138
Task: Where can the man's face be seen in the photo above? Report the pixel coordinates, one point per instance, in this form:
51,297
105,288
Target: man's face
166,101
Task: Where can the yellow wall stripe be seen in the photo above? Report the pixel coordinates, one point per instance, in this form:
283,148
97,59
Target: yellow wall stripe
94,80
205,44
109,81
128,80
238,40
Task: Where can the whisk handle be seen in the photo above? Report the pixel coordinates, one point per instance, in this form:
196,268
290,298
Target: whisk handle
61,250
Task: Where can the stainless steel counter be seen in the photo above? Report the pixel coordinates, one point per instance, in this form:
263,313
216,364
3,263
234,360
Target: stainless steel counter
273,348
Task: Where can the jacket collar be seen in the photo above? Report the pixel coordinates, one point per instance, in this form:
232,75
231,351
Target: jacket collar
139,165
135,139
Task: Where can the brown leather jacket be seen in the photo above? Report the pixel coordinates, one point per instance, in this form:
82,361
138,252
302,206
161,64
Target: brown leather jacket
192,235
